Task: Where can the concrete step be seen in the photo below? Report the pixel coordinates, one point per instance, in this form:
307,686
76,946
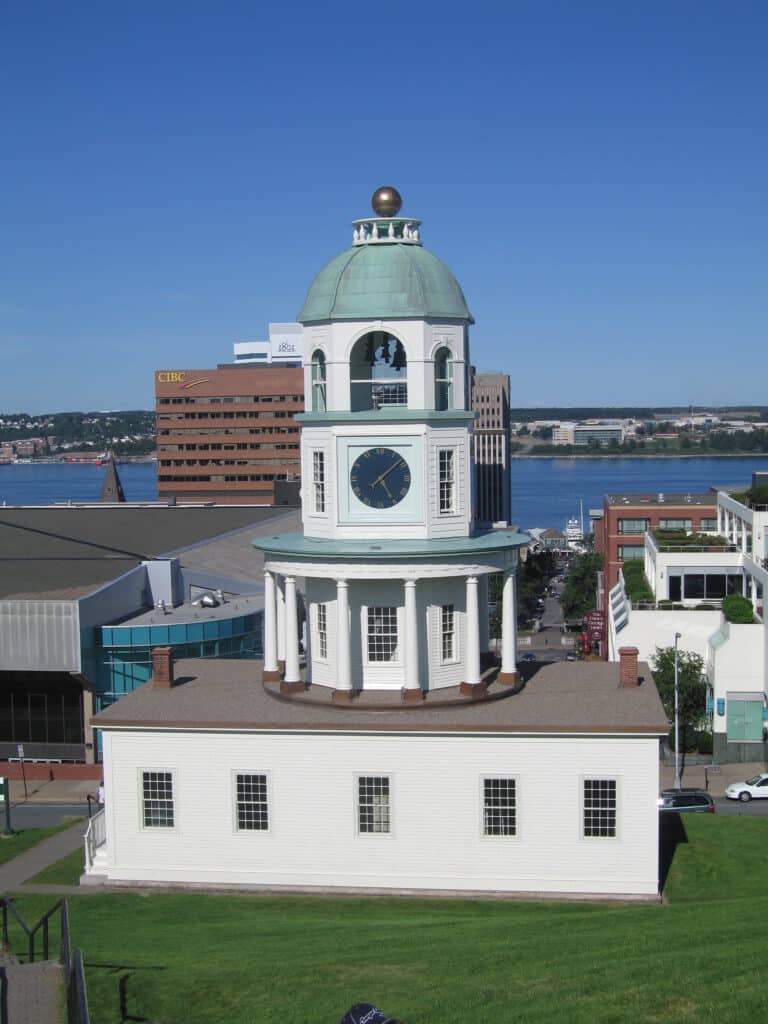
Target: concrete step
34,992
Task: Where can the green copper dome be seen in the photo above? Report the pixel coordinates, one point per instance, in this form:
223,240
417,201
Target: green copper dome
383,281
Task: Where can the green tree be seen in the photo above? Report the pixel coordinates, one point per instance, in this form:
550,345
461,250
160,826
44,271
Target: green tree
579,592
691,685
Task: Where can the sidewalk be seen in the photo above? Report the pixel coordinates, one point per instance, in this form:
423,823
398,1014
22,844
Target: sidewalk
693,776
17,871
58,791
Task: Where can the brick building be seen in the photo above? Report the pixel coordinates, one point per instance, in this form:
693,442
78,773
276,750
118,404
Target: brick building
228,435
620,534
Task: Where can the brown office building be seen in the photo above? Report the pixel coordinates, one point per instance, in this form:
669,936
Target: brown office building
620,534
228,435
490,402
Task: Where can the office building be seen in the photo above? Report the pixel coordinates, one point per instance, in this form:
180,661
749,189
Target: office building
228,435
490,403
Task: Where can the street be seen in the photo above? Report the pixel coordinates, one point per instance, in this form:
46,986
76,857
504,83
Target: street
38,815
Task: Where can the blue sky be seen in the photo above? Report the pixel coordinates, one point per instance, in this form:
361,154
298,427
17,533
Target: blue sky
173,176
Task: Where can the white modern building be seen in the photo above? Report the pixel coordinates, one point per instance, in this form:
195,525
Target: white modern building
689,584
285,345
389,751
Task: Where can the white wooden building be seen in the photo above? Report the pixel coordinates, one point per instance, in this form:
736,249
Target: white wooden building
217,781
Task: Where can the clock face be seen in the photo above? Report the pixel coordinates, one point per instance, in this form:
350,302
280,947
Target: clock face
380,478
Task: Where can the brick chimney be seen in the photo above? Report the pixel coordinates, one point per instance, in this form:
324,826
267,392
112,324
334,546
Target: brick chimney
162,668
628,666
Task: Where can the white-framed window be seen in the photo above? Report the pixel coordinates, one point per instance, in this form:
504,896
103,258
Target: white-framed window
321,629
382,633
446,476
443,379
251,802
157,799
447,632
318,382
499,807
373,807
599,808
318,481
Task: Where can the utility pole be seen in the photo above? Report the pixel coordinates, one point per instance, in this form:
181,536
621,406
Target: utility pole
677,718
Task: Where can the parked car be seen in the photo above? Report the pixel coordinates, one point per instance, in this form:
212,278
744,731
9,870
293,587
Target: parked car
693,801
570,656
529,656
755,788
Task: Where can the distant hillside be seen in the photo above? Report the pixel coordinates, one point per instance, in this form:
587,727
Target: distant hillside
635,412
126,432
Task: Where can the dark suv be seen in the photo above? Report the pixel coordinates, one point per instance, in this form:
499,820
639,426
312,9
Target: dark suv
694,801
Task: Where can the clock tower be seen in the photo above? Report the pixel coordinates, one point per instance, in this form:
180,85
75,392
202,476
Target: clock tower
393,574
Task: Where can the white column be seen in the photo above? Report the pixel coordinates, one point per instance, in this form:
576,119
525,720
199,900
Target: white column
484,618
508,626
280,594
270,624
719,521
343,653
411,637
291,633
472,646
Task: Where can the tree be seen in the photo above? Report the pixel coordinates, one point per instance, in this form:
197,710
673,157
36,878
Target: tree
580,590
691,685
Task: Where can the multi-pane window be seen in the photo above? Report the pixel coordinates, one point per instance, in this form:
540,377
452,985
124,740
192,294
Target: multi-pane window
628,551
157,799
443,379
499,807
448,632
447,479
708,524
322,630
252,810
318,481
318,382
600,807
675,524
633,525
382,634
373,803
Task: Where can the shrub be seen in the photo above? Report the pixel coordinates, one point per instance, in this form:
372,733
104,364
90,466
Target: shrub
637,586
737,609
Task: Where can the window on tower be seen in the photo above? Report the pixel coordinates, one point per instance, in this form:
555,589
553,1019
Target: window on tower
318,382
447,480
378,370
318,481
443,379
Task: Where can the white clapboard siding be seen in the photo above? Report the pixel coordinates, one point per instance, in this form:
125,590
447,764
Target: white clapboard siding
436,840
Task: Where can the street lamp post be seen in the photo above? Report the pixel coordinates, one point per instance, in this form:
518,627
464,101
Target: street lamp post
677,718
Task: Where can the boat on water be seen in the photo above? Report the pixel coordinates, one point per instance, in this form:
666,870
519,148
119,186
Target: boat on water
574,530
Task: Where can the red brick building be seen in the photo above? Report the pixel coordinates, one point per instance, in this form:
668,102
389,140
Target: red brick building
620,534
228,435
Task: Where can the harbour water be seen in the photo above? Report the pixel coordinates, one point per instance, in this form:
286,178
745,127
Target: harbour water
545,492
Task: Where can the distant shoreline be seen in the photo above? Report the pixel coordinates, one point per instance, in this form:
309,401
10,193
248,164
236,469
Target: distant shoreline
649,455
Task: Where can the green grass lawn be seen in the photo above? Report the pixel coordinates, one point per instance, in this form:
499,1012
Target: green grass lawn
25,839
66,871
296,960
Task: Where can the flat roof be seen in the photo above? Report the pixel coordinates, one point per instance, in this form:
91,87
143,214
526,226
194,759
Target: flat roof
663,498
63,552
568,698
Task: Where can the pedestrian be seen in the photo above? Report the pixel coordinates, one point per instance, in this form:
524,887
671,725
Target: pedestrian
100,794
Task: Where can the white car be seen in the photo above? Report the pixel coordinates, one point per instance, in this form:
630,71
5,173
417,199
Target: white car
755,788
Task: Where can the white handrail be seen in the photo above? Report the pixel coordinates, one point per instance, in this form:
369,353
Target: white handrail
95,836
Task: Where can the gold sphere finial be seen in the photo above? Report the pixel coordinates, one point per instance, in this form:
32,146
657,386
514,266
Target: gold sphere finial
386,201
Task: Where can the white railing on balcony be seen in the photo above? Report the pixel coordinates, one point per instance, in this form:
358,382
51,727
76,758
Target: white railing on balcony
95,836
